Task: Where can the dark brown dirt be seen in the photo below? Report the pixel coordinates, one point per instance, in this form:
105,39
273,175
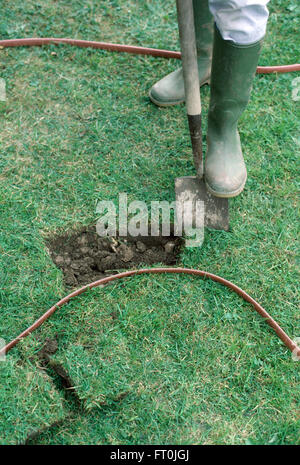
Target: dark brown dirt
84,256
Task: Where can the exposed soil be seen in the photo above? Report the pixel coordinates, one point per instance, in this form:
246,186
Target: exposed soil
84,256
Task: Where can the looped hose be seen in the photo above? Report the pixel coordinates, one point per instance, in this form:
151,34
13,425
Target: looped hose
204,274
127,49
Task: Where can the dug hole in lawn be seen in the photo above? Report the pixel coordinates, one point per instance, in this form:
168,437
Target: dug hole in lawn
84,256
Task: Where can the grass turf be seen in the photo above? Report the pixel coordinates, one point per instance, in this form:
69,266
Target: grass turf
200,366
29,400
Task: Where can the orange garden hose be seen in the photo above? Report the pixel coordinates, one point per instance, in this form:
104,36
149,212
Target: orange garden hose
204,274
128,49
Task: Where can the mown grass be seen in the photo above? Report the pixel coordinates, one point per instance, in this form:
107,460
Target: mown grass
29,401
185,361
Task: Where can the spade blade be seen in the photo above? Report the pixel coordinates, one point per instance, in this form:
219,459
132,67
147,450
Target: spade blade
216,209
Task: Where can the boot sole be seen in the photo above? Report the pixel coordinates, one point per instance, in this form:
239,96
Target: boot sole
226,195
171,104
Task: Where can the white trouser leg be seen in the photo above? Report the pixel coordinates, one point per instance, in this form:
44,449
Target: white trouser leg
242,21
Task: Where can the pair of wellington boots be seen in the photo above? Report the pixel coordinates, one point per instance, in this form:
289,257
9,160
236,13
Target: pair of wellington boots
229,69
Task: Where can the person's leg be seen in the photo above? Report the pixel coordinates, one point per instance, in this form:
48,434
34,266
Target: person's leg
240,27
170,89
243,22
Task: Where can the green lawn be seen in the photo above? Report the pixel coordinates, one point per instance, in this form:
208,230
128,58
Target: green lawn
182,360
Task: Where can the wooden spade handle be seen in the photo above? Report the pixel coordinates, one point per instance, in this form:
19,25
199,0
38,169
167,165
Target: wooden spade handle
185,15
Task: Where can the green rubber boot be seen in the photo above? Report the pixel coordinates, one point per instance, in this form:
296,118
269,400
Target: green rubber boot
170,89
233,70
